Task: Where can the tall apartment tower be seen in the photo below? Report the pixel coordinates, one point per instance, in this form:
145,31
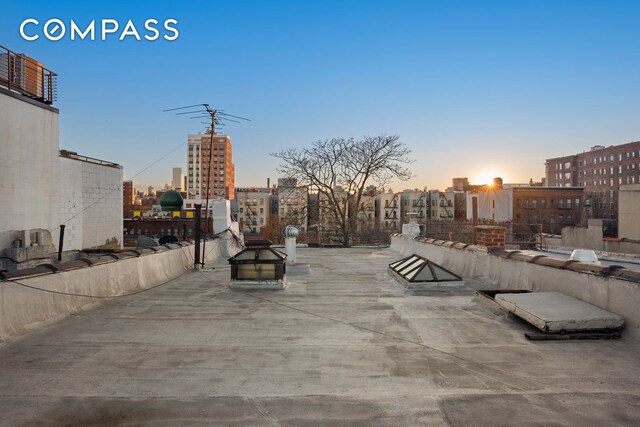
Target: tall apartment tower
128,197
177,181
601,171
203,152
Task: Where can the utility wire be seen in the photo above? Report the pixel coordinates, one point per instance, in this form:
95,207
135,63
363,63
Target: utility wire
85,295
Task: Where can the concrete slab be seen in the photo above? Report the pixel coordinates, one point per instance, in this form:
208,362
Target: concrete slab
556,312
257,285
343,345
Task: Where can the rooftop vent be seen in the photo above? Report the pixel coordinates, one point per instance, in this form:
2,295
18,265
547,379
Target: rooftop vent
259,266
418,273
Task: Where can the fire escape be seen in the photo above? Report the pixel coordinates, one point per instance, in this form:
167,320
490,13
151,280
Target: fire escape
445,205
391,214
422,204
251,214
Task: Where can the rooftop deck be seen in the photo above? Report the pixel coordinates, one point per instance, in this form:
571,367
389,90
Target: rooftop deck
343,345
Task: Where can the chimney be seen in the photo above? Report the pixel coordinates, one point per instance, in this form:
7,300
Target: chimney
490,236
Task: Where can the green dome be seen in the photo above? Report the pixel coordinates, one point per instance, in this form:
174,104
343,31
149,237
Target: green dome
171,201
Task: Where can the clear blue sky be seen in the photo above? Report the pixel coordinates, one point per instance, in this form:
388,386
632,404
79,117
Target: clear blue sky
471,87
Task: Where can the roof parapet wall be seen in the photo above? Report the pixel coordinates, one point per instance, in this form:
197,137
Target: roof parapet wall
615,289
613,271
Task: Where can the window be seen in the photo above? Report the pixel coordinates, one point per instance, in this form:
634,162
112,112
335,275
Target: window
577,202
568,203
560,218
543,203
561,204
553,203
261,210
534,203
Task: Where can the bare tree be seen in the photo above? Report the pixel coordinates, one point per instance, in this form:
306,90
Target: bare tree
340,169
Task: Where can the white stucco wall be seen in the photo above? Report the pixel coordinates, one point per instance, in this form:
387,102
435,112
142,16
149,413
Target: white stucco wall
90,203
496,205
628,208
41,190
28,167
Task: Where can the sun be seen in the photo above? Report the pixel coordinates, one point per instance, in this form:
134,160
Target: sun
486,177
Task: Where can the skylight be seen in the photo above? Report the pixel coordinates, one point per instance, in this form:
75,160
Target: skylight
417,269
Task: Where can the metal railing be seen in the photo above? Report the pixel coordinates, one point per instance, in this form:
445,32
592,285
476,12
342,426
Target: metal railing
76,156
25,75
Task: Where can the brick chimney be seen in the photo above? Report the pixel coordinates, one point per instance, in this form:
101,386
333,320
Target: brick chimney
490,236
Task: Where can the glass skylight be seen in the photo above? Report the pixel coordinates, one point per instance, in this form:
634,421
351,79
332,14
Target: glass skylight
415,268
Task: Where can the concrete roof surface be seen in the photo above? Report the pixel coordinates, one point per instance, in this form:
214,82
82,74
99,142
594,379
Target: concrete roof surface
343,345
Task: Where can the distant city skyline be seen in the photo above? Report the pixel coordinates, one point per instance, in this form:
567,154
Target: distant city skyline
475,89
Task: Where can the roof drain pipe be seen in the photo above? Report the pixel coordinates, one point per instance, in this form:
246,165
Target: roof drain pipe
196,255
60,242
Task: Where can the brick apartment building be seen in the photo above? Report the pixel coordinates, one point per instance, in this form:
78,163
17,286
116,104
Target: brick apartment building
253,208
200,152
128,198
552,207
601,171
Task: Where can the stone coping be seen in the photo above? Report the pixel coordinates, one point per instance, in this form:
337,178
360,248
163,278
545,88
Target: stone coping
86,262
613,271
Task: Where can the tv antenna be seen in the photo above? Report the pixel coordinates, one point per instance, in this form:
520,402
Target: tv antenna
204,111
217,118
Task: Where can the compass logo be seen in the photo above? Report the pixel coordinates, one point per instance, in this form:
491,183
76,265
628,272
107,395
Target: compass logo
55,29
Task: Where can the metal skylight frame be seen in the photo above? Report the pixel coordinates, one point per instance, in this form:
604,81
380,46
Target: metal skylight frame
412,269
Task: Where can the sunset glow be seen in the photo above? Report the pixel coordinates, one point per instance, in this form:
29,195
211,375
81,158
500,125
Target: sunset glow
486,177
